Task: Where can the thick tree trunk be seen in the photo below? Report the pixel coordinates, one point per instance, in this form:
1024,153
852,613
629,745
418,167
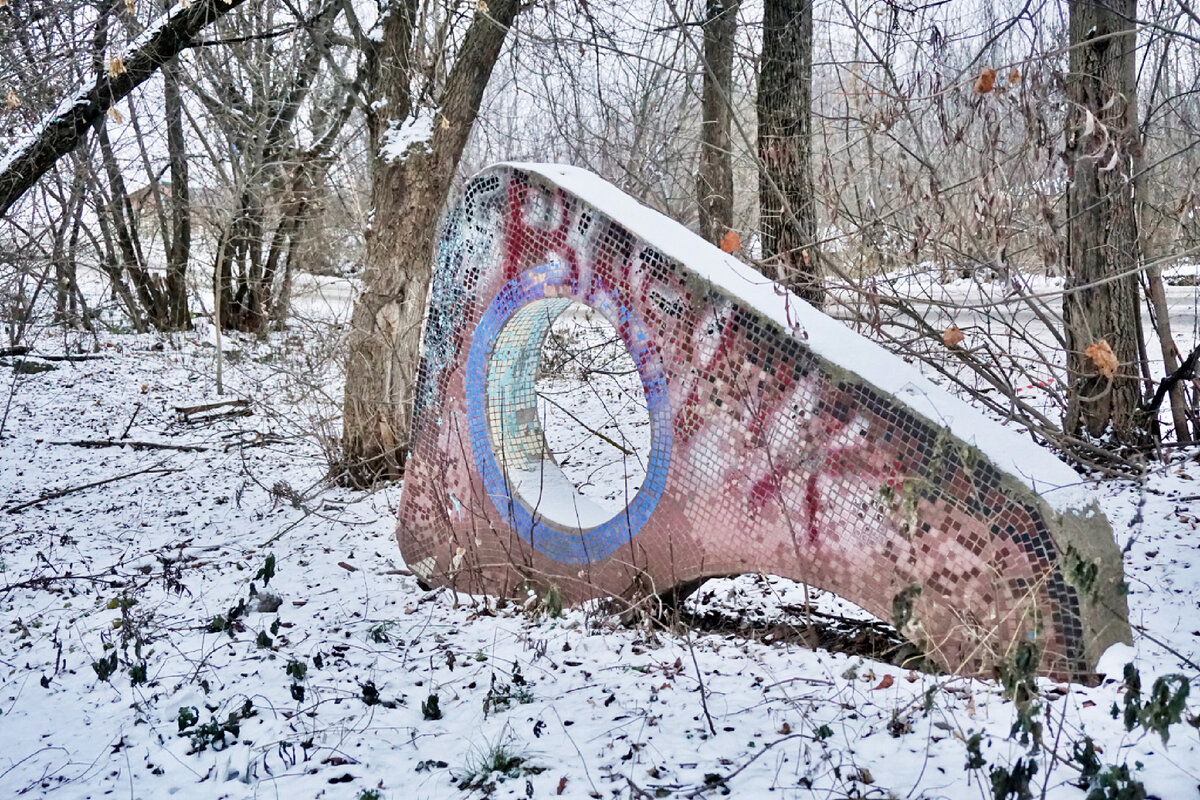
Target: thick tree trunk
786,205
64,128
408,192
714,182
1100,303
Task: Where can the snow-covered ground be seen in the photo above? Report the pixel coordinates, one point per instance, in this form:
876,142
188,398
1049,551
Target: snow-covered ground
259,636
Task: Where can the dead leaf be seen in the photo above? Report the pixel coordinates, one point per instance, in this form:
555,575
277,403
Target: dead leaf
115,115
11,100
952,336
731,242
347,567
785,728
911,676
986,81
1014,76
1102,356
562,784
116,66
886,682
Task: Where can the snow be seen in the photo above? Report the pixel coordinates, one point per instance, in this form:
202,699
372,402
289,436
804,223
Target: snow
1034,466
1182,275
416,131
607,709
554,497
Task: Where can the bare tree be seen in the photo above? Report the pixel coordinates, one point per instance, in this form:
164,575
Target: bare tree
416,139
275,176
1100,306
63,129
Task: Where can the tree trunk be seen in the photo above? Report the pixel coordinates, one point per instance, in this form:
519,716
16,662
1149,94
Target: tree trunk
181,225
63,129
786,206
407,193
1102,236
125,227
714,182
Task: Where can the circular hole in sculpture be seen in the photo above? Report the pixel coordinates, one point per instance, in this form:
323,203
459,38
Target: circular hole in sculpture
567,414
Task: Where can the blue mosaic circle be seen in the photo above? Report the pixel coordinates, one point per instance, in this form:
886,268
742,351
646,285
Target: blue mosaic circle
564,543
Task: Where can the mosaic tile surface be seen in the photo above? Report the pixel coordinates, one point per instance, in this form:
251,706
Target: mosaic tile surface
769,453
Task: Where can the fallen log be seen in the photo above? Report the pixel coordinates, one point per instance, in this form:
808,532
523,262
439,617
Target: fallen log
237,407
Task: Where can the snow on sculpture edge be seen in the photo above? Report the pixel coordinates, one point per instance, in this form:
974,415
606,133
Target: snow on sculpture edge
781,442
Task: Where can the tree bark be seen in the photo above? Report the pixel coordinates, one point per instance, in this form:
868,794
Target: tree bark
714,181
180,247
64,128
1100,303
407,194
786,206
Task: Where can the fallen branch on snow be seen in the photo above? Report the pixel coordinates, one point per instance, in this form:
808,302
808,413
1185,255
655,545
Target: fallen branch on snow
182,448
73,489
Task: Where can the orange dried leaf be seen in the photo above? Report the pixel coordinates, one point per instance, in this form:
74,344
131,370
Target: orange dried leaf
1014,76
116,66
562,784
986,81
886,682
731,242
952,336
1103,358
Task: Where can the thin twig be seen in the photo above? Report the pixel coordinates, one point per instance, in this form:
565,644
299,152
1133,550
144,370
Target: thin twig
586,426
136,409
703,691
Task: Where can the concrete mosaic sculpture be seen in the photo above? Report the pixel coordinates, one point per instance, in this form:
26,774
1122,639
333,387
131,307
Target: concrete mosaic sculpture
781,442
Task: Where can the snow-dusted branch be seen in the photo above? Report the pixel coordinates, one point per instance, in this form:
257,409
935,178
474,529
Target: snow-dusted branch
61,130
